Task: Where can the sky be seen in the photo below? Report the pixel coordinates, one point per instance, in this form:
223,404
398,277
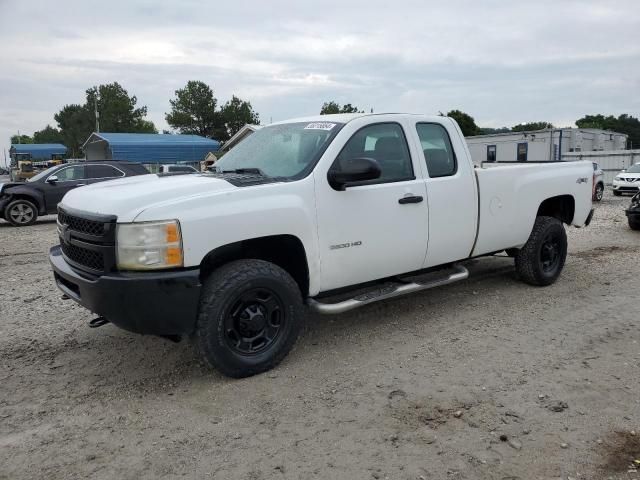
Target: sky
502,62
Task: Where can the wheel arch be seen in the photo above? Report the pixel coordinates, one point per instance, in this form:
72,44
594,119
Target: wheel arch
286,251
29,195
562,207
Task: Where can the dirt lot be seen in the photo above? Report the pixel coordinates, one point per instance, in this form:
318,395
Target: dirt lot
485,379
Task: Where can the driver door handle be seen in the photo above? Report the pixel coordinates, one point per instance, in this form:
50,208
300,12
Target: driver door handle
410,199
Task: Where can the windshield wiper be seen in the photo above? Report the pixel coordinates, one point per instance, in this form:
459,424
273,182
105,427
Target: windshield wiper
246,170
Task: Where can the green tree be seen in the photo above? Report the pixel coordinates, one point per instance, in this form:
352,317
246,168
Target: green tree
76,124
334,107
48,134
624,123
235,114
465,121
15,139
489,130
117,110
525,127
193,110
117,113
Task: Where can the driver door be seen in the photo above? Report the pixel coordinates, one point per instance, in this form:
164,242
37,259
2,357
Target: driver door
68,178
378,228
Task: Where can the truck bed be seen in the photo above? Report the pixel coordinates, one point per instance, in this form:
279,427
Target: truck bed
509,196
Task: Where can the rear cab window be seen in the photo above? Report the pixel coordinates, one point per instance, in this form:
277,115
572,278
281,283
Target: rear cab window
437,149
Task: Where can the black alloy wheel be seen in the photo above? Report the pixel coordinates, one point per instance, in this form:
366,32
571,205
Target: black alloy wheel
254,321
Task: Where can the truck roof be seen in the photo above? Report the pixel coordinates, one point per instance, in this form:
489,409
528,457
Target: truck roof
347,117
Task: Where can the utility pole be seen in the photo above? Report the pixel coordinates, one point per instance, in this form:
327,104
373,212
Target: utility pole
19,142
95,105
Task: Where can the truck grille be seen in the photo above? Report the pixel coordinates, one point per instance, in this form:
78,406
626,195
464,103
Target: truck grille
88,241
90,227
89,258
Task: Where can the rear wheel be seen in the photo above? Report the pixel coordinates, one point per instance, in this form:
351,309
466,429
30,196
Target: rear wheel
21,213
634,224
598,194
250,316
542,258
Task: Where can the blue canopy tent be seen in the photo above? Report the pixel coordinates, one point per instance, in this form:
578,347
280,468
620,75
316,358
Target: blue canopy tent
149,148
38,151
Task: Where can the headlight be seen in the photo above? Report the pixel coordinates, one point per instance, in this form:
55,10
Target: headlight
149,245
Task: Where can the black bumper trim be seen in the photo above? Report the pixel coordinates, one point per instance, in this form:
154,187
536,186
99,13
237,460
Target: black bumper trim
152,303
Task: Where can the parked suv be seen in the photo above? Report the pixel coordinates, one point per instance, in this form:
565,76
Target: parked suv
21,203
627,181
598,183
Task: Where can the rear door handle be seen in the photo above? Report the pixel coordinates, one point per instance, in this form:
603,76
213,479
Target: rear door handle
410,199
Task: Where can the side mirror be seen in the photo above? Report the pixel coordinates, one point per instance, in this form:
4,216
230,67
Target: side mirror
352,171
52,179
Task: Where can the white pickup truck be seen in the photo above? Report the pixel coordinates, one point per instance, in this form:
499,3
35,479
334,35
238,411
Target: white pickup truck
333,211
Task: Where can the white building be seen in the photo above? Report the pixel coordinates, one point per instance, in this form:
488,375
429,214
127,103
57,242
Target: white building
240,135
542,145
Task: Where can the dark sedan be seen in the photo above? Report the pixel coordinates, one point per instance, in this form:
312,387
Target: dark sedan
21,203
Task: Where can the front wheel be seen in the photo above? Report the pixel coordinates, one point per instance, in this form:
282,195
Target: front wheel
616,193
634,224
21,213
542,258
249,318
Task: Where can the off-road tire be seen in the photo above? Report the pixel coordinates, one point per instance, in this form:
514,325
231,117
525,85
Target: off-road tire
223,291
25,219
634,224
532,264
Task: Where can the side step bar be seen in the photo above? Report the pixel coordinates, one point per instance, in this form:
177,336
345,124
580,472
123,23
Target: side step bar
387,291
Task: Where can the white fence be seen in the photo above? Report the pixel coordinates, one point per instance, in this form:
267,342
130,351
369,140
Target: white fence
611,162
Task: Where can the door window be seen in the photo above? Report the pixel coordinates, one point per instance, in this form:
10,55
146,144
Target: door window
437,149
104,171
385,143
69,174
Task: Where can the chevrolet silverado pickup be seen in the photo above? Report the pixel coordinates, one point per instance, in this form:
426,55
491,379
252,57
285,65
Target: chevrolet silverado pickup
326,213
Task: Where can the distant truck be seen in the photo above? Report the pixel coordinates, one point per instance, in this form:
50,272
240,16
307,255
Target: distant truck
177,168
334,211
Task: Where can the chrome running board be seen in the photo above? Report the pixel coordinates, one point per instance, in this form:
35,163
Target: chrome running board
386,291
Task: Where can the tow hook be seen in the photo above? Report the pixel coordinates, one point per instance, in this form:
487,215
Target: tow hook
98,322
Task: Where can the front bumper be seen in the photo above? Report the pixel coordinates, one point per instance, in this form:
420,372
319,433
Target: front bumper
624,186
153,303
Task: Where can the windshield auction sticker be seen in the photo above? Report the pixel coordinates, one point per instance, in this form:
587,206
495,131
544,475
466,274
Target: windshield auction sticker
320,126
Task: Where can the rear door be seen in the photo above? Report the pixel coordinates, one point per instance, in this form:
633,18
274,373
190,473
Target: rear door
68,178
375,229
451,191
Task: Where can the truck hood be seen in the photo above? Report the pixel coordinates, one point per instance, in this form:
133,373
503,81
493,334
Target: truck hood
128,197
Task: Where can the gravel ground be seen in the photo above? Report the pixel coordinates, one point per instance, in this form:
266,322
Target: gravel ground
484,379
